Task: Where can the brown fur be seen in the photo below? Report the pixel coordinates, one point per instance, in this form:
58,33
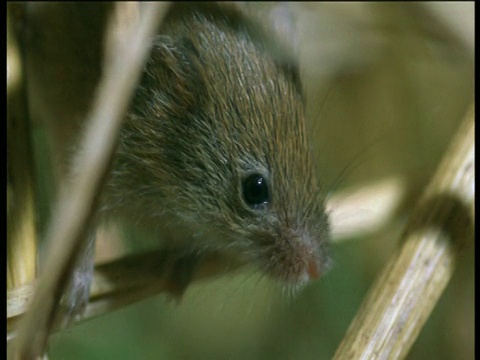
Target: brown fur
218,101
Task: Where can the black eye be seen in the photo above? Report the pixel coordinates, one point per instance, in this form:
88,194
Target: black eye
255,190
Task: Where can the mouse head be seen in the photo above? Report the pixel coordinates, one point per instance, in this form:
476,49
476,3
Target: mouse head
218,134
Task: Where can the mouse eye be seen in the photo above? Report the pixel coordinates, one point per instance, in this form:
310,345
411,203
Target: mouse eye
255,190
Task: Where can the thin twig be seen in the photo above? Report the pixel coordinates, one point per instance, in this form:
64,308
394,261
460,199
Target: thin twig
364,210
77,204
21,217
136,277
404,295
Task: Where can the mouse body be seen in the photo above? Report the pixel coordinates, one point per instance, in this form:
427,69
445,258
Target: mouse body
215,152
216,143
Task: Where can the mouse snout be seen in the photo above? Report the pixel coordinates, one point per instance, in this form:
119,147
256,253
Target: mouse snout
291,258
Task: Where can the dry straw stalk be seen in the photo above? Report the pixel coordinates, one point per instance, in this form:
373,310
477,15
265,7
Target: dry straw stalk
407,290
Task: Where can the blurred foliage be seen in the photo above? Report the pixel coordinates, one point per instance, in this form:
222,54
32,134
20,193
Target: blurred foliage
387,85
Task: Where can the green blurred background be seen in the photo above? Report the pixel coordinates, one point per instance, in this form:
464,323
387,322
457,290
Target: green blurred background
387,85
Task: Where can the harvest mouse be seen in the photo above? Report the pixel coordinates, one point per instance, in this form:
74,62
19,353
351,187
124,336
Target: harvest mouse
215,151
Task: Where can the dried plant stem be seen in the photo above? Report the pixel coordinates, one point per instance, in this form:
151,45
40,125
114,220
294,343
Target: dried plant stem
21,229
136,277
124,282
364,210
404,295
77,204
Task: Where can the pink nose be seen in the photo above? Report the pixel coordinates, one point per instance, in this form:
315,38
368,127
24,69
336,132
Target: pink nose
313,270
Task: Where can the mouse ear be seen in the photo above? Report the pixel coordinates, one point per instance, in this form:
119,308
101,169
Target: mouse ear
172,77
277,17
